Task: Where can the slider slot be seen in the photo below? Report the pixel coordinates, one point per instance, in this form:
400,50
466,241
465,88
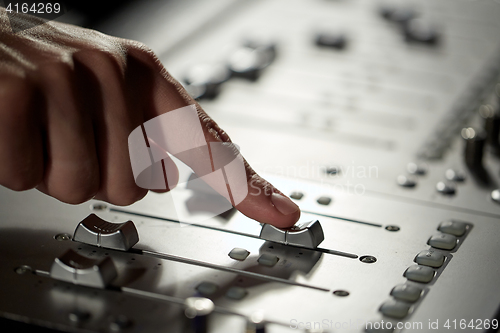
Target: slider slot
159,297
344,219
179,222
327,251
223,268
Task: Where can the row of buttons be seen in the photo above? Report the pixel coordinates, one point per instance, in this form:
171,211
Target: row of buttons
206,288
265,259
248,61
413,28
446,187
406,294
323,200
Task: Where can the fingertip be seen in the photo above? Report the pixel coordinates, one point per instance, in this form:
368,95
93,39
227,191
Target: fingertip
265,204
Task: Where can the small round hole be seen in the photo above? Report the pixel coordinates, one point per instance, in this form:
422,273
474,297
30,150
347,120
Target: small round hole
368,259
341,293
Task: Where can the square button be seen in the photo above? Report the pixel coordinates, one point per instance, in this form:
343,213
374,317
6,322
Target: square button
268,260
238,254
452,227
207,288
406,292
324,201
296,195
430,258
419,273
236,293
395,309
443,241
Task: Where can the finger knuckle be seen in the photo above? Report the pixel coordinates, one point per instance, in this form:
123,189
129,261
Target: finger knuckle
143,53
97,58
128,196
21,178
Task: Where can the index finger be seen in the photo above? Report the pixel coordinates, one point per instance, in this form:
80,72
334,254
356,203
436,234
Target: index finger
179,126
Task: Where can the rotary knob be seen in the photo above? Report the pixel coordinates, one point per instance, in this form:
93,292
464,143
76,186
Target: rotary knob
474,147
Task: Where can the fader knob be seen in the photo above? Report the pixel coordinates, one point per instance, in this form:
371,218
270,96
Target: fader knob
248,62
75,268
95,231
308,234
474,147
397,14
198,310
263,45
332,39
209,76
422,31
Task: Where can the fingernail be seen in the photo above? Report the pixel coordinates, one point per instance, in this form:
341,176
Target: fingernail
283,204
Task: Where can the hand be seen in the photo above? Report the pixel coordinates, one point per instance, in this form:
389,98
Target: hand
70,97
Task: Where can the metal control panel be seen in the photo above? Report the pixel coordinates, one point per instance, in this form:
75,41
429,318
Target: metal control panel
380,120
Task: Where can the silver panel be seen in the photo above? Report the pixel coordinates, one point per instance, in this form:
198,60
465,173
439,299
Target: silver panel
369,109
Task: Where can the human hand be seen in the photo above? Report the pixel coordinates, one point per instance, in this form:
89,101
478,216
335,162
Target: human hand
70,97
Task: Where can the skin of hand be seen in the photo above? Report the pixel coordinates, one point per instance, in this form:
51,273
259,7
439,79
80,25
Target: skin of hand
70,97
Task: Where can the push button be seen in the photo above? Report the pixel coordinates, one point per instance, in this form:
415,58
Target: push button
324,201
395,309
207,288
406,292
268,260
296,195
405,181
454,175
419,273
422,31
443,241
430,258
238,254
75,268
495,195
236,293
397,14
445,188
416,168
452,227
95,231
332,39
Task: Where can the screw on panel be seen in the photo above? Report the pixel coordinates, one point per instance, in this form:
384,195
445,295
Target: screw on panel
392,228
368,259
341,293
99,206
119,323
79,316
23,269
62,237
